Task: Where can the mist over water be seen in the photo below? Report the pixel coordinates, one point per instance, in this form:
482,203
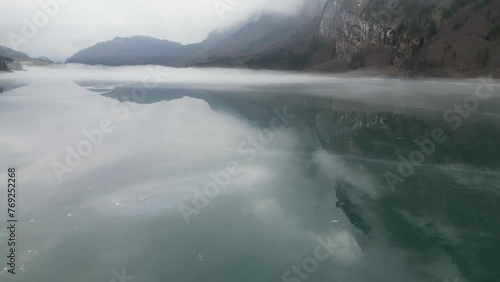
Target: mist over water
293,161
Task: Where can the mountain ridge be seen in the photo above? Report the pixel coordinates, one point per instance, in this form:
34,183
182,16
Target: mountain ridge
11,59
450,38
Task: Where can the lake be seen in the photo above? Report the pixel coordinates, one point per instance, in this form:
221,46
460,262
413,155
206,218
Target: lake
161,174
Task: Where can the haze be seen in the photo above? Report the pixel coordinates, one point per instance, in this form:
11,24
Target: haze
80,24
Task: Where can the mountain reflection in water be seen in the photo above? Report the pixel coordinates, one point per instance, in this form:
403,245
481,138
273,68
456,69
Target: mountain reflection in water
323,175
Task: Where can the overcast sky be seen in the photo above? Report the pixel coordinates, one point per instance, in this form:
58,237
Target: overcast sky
77,24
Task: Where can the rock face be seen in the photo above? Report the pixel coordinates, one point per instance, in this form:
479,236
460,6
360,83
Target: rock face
350,32
417,37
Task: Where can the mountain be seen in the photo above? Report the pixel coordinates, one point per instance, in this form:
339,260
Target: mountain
9,53
431,37
137,50
264,32
11,59
400,37
405,38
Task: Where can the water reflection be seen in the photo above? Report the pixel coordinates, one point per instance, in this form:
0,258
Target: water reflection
321,177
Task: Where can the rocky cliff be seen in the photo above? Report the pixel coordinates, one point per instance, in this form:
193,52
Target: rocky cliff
350,31
430,37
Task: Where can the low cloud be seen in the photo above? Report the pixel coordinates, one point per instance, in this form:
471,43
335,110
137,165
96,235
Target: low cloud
78,24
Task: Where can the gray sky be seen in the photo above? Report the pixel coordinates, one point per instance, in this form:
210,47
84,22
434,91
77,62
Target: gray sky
75,24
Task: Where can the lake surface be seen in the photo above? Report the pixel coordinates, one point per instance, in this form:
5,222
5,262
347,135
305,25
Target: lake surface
159,174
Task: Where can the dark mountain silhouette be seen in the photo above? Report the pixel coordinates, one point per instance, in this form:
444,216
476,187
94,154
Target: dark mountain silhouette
260,34
9,53
137,50
11,59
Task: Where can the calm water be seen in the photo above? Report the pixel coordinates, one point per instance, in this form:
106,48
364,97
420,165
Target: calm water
157,174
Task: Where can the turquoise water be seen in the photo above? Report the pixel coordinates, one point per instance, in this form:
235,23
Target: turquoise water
232,175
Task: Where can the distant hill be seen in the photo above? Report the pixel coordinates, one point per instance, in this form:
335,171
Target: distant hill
7,52
137,50
263,32
11,59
